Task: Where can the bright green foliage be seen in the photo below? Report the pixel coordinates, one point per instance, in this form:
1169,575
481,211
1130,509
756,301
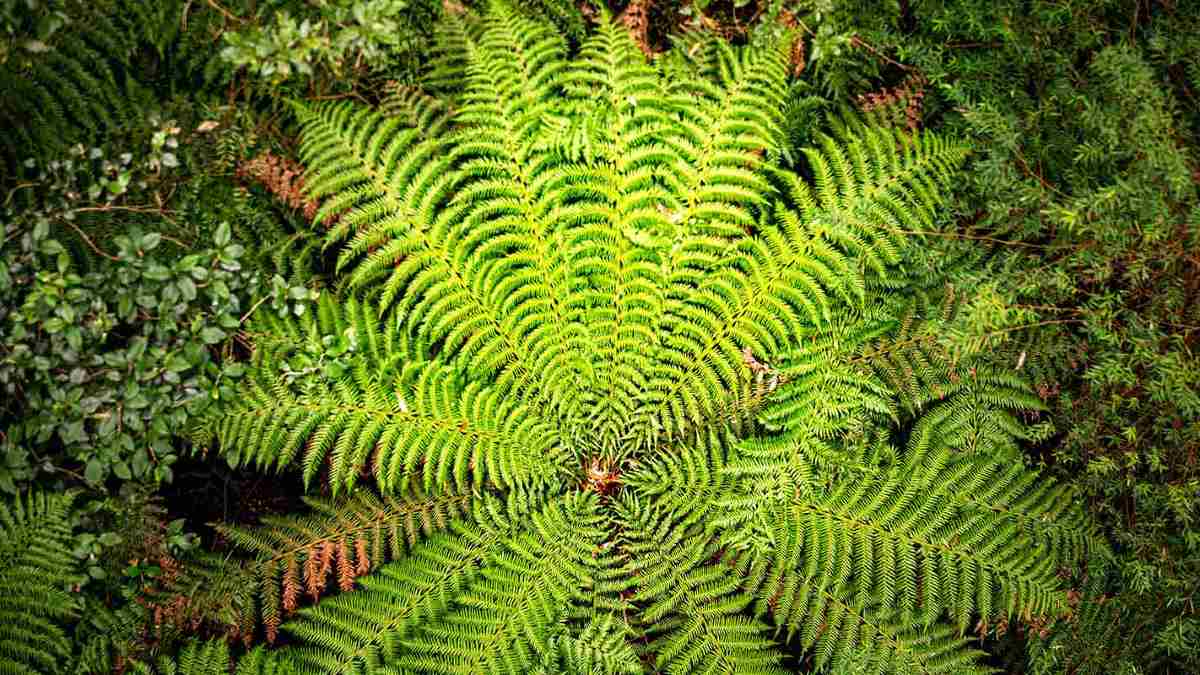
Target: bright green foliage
660,371
36,573
598,647
349,398
509,581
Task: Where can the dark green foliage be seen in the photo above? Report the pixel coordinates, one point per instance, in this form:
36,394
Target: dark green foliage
1081,215
213,658
330,47
101,75
107,354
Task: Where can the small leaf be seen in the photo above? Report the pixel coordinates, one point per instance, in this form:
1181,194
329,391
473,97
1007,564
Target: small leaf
212,335
94,471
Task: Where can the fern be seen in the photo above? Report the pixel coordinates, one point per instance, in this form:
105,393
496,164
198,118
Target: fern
36,571
670,385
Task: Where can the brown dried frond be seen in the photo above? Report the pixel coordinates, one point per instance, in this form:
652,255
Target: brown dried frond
345,567
291,585
284,179
637,19
362,560
327,550
314,575
906,97
797,56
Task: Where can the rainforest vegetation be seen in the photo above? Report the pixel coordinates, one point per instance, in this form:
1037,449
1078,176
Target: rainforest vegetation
565,336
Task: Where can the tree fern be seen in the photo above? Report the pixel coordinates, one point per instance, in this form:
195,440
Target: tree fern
596,308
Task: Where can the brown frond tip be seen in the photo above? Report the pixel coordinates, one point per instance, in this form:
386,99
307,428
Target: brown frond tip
636,18
284,179
363,562
906,98
796,57
345,567
315,571
291,585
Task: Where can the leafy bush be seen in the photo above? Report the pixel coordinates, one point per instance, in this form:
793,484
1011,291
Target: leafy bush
330,44
106,355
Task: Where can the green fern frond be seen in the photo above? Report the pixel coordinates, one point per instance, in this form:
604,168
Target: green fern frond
693,609
104,635
413,426
214,658
37,570
419,110
600,647
504,618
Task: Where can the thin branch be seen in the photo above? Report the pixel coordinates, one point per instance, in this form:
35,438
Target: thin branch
251,310
856,41
13,191
973,237
224,12
87,240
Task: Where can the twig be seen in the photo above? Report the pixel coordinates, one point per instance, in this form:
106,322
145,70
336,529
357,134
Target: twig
87,240
251,310
973,237
14,191
63,469
115,207
856,41
175,241
226,13
1030,172
161,212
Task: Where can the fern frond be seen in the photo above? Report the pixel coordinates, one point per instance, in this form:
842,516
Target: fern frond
362,629
413,426
36,571
502,622
343,539
600,647
693,608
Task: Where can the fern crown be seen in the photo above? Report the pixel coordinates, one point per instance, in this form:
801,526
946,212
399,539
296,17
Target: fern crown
639,380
